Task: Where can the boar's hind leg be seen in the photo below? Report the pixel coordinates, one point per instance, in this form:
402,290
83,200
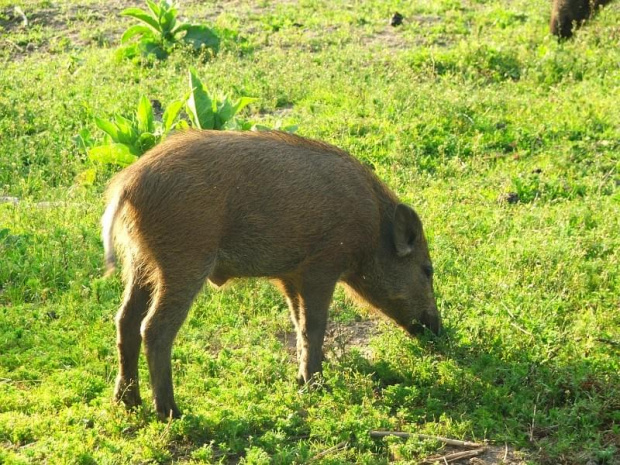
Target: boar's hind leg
315,295
171,303
128,319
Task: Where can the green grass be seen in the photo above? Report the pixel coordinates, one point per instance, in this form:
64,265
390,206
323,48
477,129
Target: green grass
506,142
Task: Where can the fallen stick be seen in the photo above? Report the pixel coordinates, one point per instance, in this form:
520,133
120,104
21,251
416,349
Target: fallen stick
452,457
400,434
337,447
611,342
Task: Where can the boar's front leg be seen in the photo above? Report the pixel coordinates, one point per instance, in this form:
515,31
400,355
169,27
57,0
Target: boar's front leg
312,298
128,319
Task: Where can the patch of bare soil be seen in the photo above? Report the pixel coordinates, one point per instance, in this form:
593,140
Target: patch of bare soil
389,38
58,22
340,337
497,455
392,38
485,455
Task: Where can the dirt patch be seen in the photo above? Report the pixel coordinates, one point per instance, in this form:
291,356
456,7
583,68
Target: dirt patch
393,38
29,30
491,455
496,455
343,336
55,16
340,337
389,38
11,18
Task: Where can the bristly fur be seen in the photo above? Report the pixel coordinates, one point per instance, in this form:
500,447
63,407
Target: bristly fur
568,15
220,205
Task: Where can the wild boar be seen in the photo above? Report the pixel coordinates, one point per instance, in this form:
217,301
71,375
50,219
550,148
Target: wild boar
567,15
220,205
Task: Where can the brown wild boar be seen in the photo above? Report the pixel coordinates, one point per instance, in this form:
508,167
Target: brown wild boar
567,15
221,205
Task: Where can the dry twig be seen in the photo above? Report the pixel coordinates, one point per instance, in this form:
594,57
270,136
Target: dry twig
340,446
400,434
611,342
455,456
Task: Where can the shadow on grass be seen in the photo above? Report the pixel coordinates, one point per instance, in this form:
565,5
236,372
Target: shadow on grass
561,409
565,409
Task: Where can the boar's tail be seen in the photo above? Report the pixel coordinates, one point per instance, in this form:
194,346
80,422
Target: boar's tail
107,223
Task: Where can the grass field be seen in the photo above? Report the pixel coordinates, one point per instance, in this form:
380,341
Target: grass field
505,141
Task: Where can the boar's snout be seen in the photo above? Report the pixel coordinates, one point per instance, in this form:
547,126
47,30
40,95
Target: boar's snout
430,320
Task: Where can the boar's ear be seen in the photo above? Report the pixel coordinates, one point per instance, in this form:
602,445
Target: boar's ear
407,227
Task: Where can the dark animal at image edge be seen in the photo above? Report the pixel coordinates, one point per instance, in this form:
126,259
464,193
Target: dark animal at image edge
567,15
221,205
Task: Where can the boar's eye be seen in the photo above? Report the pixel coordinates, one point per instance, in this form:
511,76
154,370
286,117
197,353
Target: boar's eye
428,270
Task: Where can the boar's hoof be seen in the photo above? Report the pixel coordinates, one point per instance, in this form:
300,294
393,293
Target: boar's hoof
315,381
127,393
165,413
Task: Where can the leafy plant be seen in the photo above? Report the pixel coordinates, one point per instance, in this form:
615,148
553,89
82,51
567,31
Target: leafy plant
128,138
208,111
160,31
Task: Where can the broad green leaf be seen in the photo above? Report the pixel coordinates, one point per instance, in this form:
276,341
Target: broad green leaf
143,16
199,105
232,125
108,127
131,51
147,141
144,115
168,21
155,8
217,122
115,154
181,27
244,125
242,103
199,36
127,133
171,114
137,29
225,112
152,47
